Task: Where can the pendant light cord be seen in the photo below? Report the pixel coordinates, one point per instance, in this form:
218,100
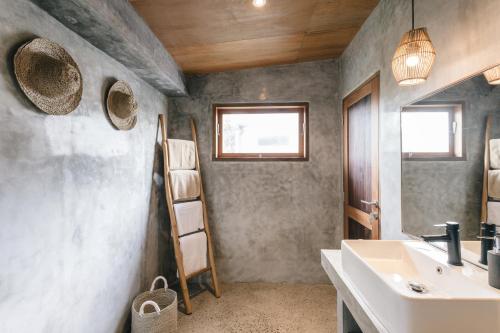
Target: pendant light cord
412,14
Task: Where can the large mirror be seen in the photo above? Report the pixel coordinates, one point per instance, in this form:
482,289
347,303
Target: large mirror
444,139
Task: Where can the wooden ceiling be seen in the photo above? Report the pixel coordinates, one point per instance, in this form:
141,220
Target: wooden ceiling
217,35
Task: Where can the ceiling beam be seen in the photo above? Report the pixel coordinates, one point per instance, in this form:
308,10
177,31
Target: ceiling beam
114,27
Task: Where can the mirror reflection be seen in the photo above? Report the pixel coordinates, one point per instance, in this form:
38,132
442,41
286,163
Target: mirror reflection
450,143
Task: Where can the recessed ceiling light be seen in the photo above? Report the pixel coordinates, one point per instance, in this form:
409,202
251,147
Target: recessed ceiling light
259,3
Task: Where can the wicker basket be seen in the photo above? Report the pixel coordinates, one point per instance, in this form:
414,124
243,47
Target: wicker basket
155,311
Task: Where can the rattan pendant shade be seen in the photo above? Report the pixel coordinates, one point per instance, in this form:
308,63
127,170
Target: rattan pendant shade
493,75
414,57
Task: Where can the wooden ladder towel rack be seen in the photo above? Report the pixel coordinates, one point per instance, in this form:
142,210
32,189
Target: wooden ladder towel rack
484,199
183,278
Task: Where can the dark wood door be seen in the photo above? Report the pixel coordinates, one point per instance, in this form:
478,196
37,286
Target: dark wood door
361,187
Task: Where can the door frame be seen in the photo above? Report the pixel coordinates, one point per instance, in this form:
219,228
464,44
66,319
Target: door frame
370,86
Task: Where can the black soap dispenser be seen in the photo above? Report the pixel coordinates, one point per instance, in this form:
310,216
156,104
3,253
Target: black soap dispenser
494,264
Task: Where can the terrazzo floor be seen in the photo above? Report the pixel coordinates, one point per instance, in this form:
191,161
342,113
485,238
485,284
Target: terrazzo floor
263,308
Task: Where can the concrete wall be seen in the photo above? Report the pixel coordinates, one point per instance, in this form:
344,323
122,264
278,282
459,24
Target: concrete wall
75,193
270,219
438,191
465,35
114,27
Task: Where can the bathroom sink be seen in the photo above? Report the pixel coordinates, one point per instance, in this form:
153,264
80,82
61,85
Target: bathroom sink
410,287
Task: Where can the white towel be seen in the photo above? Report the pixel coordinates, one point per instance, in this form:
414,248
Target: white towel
495,154
494,212
189,216
185,184
181,154
194,252
494,184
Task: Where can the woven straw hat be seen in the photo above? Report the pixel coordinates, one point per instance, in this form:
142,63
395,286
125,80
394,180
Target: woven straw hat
122,106
48,76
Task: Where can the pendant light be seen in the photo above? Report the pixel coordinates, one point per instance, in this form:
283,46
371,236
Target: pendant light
414,56
493,75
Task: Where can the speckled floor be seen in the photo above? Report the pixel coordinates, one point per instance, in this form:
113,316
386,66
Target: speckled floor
262,308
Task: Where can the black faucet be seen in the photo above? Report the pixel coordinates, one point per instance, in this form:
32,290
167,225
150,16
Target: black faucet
487,237
452,239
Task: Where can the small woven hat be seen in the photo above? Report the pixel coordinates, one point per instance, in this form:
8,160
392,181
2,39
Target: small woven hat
48,76
122,106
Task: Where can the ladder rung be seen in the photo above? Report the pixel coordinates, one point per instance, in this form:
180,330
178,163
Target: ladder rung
191,233
206,269
187,200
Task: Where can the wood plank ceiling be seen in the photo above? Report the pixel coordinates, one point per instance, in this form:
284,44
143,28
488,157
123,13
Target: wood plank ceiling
217,35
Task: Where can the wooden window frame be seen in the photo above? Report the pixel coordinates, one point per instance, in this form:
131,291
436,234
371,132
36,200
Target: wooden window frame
456,151
244,108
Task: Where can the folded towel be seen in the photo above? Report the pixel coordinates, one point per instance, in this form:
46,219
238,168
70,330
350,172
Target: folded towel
494,184
189,216
194,252
181,154
494,212
185,184
495,154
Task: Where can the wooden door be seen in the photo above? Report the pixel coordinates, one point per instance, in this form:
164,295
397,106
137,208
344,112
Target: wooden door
361,187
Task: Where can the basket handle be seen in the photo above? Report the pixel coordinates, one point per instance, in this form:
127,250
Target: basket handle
153,285
154,304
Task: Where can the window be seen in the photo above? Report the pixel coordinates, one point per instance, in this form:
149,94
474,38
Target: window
432,132
260,131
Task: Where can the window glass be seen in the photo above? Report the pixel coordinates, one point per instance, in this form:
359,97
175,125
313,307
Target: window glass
425,132
261,133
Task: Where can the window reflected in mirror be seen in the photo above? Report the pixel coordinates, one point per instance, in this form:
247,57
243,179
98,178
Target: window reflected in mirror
432,131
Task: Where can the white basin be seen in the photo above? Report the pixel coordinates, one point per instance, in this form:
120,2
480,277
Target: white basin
457,299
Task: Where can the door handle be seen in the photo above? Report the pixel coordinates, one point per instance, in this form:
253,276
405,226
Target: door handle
370,203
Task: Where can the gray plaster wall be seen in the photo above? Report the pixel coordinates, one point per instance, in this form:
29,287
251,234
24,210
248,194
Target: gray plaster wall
270,219
438,191
75,194
465,35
